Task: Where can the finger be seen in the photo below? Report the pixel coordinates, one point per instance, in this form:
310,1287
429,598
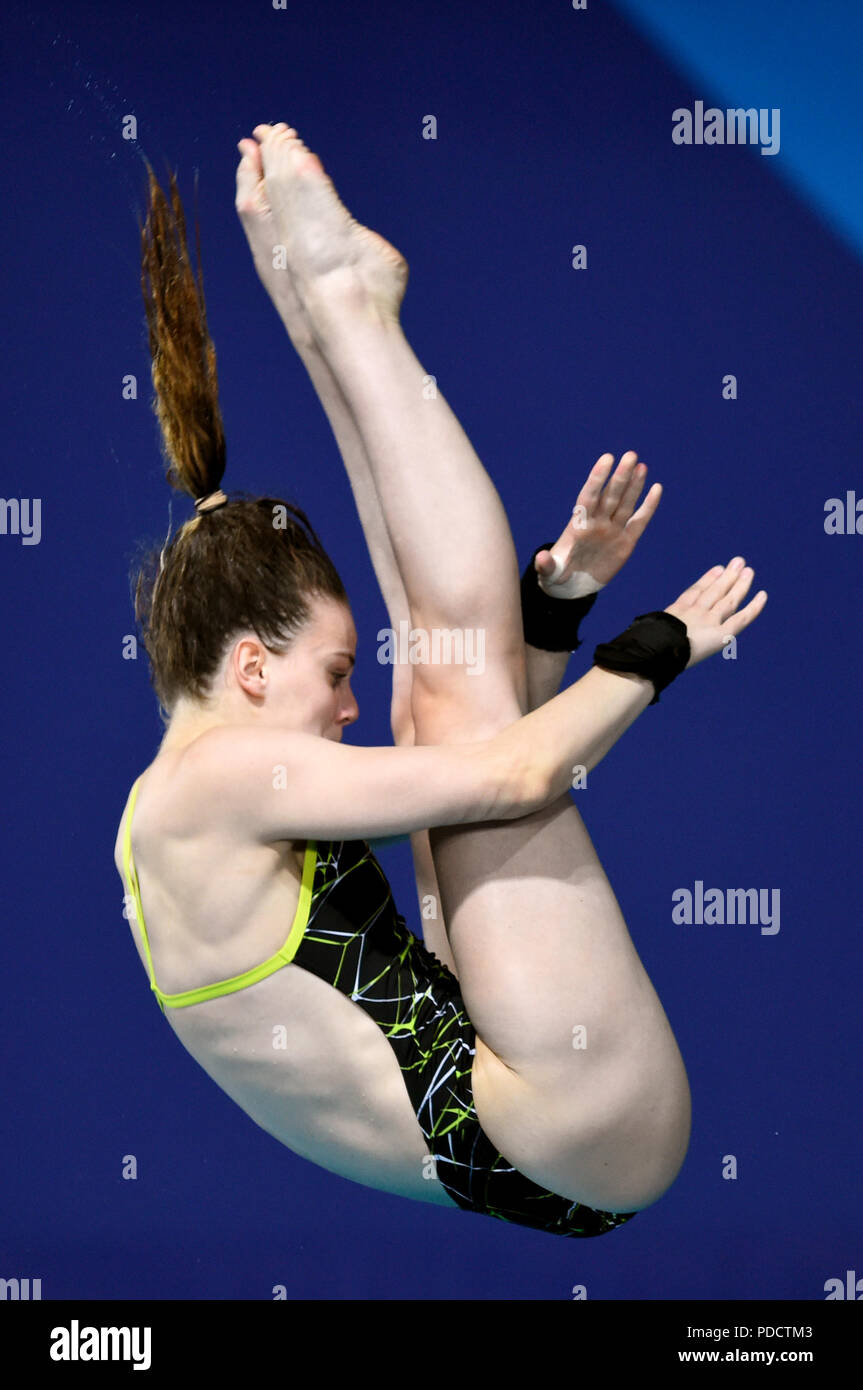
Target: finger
589,495
619,483
746,615
631,494
701,585
638,521
544,563
726,606
554,566
714,593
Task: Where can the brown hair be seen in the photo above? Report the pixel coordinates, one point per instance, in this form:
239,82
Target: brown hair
251,564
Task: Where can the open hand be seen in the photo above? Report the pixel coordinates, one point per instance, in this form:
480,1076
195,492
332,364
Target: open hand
603,530
709,608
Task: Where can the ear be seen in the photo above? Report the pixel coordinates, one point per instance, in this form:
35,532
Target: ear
249,664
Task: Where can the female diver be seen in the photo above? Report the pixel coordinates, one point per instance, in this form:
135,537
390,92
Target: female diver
519,1063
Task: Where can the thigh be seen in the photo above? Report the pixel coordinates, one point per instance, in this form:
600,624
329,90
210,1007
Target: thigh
614,1145
479,1177
579,1080
432,922
450,1078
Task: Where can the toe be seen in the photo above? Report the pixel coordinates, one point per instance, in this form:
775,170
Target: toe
251,150
308,163
249,178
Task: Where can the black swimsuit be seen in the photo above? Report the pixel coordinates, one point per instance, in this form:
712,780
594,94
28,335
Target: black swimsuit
347,931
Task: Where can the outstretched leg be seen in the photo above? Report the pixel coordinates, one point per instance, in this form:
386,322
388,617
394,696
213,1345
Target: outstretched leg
544,669
544,957
255,213
258,223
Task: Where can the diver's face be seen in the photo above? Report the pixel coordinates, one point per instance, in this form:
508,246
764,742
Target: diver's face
311,683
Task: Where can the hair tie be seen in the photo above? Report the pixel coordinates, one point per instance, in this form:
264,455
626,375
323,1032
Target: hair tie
210,502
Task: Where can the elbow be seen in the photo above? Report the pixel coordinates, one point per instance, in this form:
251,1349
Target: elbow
532,790
540,789
516,783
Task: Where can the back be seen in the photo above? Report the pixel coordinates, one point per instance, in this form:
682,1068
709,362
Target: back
308,1051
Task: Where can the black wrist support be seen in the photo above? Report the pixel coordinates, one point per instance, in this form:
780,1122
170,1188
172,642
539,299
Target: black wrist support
551,624
655,645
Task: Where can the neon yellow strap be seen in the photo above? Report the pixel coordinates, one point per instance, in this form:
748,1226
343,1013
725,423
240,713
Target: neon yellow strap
131,875
249,977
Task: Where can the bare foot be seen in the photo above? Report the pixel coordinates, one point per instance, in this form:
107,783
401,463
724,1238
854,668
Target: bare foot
332,258
256,216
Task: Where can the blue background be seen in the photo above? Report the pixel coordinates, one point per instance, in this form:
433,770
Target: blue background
554,129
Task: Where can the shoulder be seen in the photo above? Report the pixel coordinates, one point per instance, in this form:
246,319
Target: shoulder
163,799
239,784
